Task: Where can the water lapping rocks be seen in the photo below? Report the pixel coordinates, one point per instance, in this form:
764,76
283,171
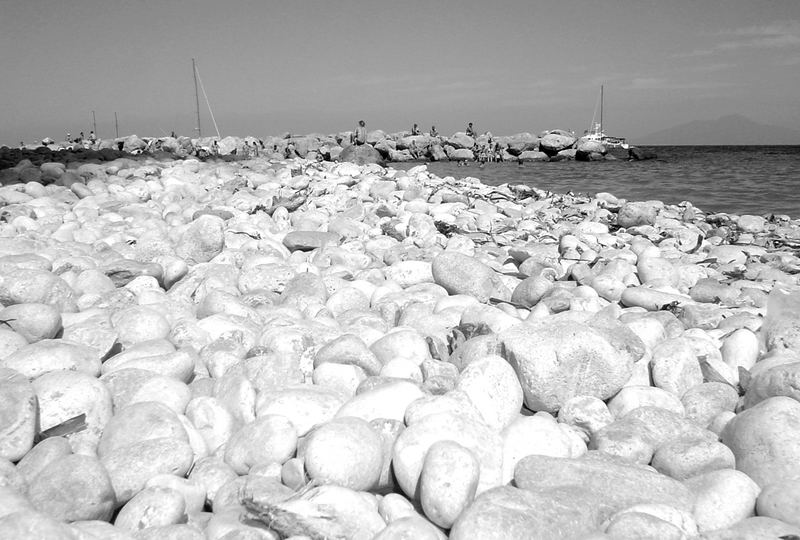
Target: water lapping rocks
291,348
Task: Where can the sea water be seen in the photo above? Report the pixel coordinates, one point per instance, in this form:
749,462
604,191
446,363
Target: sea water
758,180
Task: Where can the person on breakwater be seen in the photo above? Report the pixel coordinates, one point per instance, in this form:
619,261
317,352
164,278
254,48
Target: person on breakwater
433,132
415,130
359,137
470,130
92,137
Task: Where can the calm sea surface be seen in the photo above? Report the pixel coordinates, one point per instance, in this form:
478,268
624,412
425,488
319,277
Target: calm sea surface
733,179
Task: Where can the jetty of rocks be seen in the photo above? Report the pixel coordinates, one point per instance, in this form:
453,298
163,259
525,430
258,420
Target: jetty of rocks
289,348
553,145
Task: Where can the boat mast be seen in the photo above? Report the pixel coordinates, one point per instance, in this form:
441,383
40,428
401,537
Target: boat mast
601,107
196,99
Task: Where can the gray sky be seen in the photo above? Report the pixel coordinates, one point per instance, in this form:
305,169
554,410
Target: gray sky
301,66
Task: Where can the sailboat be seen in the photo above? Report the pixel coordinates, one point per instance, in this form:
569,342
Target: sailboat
596,133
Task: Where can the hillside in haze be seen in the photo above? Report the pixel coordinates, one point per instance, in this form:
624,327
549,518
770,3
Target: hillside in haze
734,129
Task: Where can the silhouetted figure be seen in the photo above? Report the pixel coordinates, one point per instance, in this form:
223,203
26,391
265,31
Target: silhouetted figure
434,133
470,130
360,135
415,130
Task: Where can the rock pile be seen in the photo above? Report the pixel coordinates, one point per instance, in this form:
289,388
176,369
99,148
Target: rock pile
273,349
380,147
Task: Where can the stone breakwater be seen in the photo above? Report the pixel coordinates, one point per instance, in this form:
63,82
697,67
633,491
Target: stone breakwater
555,145
267,349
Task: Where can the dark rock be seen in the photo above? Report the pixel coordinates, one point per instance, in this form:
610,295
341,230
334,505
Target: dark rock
362,154
640,154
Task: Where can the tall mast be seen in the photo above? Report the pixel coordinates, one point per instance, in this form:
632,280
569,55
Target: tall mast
601,107
196,98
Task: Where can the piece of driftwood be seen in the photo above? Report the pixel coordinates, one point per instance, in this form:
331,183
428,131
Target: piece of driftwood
67,427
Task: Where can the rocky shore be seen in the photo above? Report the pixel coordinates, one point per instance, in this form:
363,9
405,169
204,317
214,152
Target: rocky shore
291,348
555,145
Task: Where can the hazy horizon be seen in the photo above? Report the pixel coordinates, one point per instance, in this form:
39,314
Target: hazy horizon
318,67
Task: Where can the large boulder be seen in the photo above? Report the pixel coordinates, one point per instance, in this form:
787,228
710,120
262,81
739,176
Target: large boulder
361,154
554,141
521,142
559,360
766,440
460,141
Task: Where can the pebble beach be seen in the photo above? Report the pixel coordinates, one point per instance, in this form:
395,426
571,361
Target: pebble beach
293,348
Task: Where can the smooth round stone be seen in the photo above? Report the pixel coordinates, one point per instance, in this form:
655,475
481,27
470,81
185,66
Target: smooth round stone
626,439
212,420
64,395
608,483
309,240
684,458
41,455
781,500
10,341
228,496
48,355
345,451
408,527
447,482
704,401
32,286
178,531
169,391
389,400
539,434
755,527
131,466
18,415
634,525
202,240
413,443
586,413
73,487
401,368
92,529
668,522
493,387
766,440
211,473
405,343
293,474
722,498
268,439
152,507
30,524
631,397
9,476
12,500
408,273
345,299
343,379
193,494
509,513
674,366
304,406
394,506
454,401
33,321
779,380
740,349
140,422
139,323
558,360
462,274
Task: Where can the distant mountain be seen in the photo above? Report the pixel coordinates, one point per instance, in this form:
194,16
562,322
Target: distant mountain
728,130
